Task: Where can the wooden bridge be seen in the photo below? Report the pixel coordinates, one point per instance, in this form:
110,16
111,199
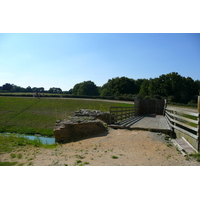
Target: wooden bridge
157,123
140,116
183,124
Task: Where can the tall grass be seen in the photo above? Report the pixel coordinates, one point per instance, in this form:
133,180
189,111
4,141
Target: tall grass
32,115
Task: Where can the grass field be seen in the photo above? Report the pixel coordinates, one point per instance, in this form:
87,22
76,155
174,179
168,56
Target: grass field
32,115
30,94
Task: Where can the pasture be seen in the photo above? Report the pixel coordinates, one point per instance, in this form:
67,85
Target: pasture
38,115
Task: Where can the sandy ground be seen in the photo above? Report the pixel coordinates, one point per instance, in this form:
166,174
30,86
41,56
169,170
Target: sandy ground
117,148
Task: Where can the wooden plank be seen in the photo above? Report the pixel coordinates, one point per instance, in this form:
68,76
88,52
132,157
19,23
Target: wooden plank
183,118
179,147
178,122
158,122
185,125
188,145
185,132
168,121
121,113
183,112
183,145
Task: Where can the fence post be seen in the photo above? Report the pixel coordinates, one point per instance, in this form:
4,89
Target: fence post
137,107
198,104
198,123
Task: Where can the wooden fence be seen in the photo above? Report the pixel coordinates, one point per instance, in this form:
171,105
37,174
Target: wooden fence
120,113
149,106
185,124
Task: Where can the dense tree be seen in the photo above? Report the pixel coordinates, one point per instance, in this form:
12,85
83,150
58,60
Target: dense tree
119,86
177,88
197,83
85,88
7,87
67,92
138,84
144,88
16,88
29,89
55,90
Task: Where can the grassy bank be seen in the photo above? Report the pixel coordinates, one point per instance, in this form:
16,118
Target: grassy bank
18,147
32,115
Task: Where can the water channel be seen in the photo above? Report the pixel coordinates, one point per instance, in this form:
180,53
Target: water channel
44,140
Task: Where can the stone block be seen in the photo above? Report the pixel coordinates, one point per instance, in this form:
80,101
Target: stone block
67,131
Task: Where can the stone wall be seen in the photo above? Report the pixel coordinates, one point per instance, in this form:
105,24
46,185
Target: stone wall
84,124
97,114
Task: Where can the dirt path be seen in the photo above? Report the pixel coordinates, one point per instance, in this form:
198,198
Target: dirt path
183,108
117,148
85,99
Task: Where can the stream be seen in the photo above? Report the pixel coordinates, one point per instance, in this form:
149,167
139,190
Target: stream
44,140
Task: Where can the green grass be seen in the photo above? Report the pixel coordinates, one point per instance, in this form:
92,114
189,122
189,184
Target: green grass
9,143
190,117
12,155
196,156
19,156
8,163
31,115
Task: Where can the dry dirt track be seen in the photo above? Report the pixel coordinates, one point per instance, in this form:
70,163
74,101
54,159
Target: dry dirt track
117,148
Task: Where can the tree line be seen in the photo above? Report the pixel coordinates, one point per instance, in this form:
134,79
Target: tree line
14,88
172,86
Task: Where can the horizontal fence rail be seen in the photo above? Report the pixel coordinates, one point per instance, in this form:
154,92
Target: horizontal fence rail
120,113
184,121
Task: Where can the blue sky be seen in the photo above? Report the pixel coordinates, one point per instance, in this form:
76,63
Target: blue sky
64,59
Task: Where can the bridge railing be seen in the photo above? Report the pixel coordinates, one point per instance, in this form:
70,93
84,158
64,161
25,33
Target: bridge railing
185,124
120,113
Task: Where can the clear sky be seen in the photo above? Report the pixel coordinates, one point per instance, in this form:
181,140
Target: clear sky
64,59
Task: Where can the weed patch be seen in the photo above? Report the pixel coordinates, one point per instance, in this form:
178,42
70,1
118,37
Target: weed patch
80,157
114,157
196,156
8,163
19,156
12,155
169,144
78,162
167,138
167,157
